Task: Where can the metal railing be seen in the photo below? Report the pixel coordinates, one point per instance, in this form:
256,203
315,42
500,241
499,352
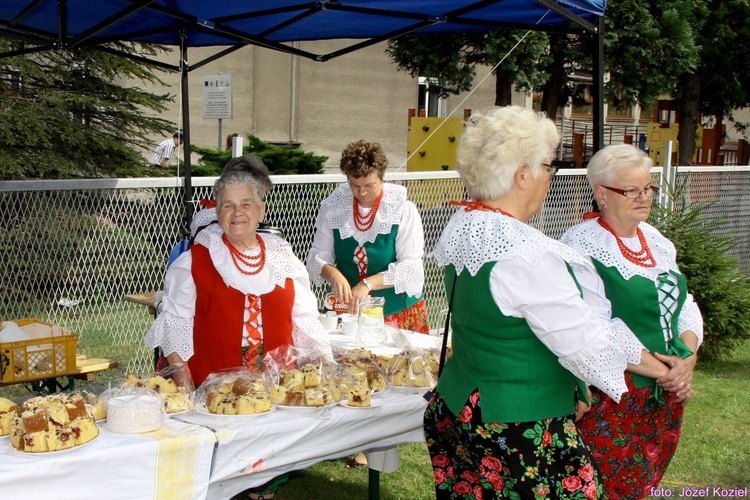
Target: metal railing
71,250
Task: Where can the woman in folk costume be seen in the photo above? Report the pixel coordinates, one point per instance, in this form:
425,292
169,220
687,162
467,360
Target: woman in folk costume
235,294
634,439
369,240
502,421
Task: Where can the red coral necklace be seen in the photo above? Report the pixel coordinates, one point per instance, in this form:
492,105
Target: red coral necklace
470,206
247,264
364,222
643,257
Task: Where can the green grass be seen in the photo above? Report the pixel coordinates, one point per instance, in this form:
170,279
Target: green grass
714,449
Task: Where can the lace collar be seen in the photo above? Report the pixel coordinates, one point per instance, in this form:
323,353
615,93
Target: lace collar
339,214
591,239
281,263
473,238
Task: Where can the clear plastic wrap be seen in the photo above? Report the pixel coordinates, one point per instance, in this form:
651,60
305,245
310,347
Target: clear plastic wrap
301,378
172,383
413,368
234,391
133,410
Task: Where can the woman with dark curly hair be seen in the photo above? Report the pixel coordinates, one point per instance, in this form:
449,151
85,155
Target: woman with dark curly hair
369,240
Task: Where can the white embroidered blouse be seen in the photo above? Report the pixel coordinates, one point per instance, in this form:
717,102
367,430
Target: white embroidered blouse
530,280
173,328
592,240
406,274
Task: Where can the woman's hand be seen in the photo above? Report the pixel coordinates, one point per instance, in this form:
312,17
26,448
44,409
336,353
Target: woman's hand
359,292
679,379
339,286
582,407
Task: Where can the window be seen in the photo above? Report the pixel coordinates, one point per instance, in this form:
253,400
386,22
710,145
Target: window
430,102
620,111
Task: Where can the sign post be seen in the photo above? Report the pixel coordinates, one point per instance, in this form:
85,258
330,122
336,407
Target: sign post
217,99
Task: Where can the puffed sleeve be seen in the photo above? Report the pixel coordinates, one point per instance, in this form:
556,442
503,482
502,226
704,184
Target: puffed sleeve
691,319
321,252
590,347
172,330
307,330
406,274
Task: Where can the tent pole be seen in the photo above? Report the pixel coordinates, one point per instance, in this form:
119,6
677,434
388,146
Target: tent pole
188,188
598,87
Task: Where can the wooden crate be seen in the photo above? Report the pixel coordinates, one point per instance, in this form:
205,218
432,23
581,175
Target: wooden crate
37,359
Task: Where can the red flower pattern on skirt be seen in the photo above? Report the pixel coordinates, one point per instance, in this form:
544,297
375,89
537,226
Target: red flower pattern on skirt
536,460
633,441
412,318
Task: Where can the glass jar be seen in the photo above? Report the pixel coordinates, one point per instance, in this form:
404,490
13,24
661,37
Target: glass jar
371,331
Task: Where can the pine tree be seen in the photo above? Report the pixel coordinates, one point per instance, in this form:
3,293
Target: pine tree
80,113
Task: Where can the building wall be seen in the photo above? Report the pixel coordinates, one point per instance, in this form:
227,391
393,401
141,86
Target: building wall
360,95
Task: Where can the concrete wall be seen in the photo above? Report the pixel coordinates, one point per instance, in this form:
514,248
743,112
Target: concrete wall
359,95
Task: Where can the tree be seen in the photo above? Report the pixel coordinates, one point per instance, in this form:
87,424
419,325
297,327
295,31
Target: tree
450,60
67,113
647,44
721,81
280,160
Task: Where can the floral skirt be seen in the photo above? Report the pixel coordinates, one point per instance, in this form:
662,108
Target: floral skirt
542,459
632,442
413,318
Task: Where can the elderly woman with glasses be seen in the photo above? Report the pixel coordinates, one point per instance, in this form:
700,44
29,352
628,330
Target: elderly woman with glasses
369,241
633,440
502,421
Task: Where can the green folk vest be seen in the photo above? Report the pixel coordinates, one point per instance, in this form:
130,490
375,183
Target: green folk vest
636,302
518,378
380,253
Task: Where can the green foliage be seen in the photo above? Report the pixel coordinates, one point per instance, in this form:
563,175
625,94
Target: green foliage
68,114
647,44
280,160
724,69
450,60
719,287
72,245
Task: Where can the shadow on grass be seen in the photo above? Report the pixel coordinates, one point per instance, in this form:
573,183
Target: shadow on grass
736,367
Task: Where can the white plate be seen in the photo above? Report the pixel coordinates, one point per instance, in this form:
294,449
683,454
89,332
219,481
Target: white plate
201,408
305,409
58,452
335,331
409,389
374,403
179,413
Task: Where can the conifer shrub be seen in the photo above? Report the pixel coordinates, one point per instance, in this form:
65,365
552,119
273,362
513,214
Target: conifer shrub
714,277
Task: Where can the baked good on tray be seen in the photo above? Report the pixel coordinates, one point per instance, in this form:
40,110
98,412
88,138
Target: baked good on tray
52,423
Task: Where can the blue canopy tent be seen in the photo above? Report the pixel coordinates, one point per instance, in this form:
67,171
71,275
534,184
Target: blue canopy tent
67,24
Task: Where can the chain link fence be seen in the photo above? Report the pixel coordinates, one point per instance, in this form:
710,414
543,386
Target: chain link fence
71,250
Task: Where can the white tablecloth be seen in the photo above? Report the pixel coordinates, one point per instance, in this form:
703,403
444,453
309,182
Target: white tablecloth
254,450
172,462
183,460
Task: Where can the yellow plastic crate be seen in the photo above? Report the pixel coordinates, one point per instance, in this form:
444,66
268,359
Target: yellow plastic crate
37,359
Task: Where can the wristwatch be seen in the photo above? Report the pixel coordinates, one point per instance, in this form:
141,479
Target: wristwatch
367,284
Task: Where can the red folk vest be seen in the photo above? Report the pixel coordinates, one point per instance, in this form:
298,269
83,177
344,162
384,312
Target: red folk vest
219,316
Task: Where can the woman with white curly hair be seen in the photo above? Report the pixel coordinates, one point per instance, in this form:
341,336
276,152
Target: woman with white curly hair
502,421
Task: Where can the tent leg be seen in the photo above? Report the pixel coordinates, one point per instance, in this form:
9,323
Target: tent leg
598,87
188,188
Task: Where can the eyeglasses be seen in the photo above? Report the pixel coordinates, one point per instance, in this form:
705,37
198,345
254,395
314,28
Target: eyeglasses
552,169
649,192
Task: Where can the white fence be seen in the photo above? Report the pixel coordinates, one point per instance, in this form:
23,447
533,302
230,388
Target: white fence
72,249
